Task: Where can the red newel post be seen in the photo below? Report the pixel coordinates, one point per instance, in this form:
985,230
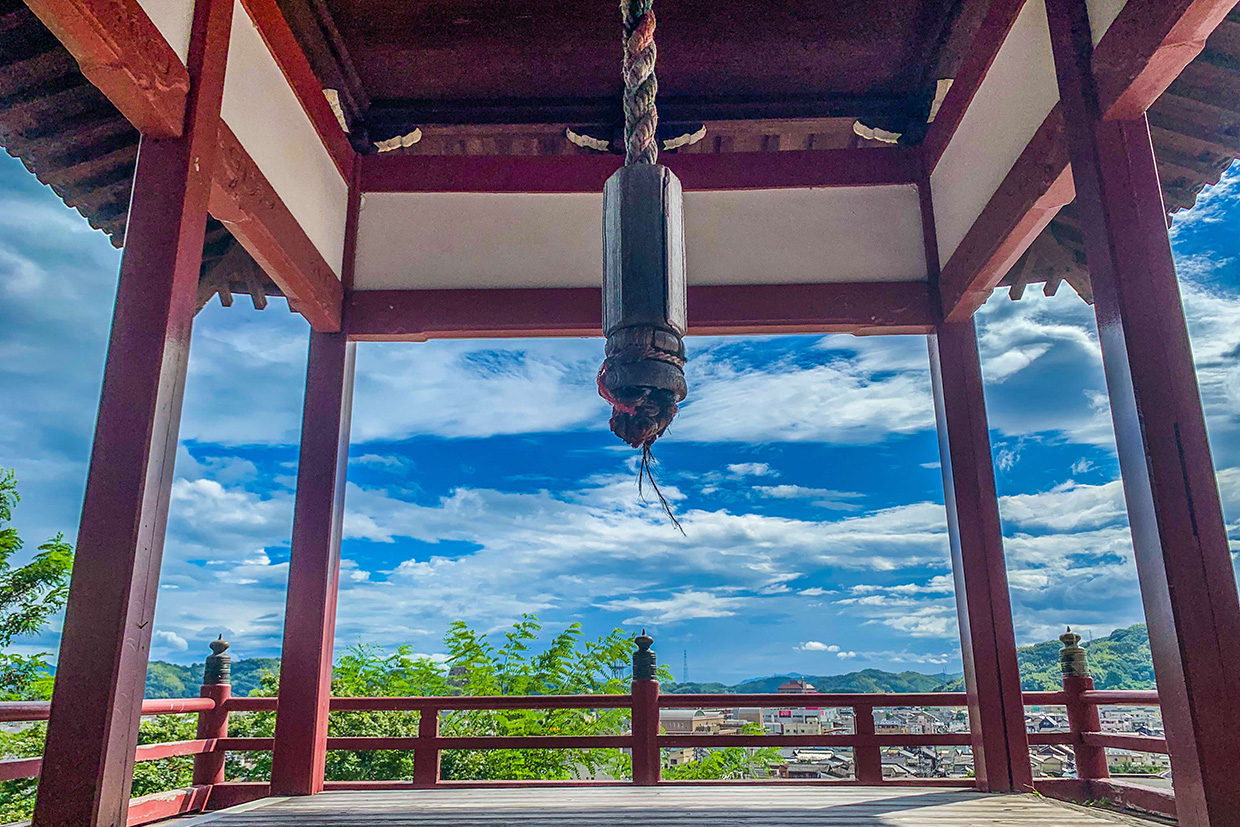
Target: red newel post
426,758
216,685
1091,762
867,758
645,689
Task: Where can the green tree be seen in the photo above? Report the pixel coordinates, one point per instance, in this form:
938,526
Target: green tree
566,665
29,596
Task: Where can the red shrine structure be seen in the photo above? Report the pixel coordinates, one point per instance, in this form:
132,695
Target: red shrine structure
403,171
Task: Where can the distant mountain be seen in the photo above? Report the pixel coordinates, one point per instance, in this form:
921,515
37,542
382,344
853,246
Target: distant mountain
1121,660
867,680
172,680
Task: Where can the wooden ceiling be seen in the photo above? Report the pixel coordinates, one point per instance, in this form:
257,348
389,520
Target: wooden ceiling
403,64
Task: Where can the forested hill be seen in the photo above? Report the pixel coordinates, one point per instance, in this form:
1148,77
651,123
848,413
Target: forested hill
1121,660
867,680
171,680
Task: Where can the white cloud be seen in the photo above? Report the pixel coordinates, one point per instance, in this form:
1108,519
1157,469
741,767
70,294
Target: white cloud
818,646
752,469
822,497
686,605
171,640
838,401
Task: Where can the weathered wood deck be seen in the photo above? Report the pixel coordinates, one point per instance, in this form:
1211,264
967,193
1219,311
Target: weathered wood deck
704,806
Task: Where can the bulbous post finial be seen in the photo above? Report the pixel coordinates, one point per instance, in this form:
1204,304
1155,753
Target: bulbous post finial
219,664
643,658
1072,660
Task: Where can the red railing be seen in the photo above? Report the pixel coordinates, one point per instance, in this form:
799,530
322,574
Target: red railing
644,740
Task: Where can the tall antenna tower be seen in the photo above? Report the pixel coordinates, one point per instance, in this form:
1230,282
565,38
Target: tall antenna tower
684,672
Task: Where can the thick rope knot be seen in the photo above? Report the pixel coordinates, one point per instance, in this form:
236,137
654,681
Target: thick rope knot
644,381
641,117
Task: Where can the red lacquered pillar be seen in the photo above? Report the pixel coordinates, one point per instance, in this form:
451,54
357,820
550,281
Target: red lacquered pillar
983,606
101,669
1184,567
300,751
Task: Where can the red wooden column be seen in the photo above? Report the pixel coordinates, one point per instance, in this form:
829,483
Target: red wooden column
300,751
101,670
987,640
1183,562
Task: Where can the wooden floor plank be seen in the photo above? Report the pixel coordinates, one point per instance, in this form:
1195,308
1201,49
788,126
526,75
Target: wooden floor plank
660,807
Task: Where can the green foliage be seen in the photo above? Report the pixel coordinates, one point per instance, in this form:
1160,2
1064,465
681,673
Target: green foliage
29,596
566,665
17,797
166,773
1131,768
174,680
728,762
1121,660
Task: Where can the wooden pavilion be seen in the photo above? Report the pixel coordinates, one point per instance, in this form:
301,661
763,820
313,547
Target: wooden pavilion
402,171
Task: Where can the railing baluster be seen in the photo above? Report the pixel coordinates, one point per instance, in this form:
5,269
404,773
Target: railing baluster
426,758
209,766
645,688
867,758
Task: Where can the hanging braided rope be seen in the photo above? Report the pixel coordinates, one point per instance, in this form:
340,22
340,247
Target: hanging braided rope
641,116
642,376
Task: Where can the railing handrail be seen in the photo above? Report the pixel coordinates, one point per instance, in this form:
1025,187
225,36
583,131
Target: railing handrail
22,711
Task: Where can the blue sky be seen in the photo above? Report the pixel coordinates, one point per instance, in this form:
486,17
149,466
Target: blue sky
483,481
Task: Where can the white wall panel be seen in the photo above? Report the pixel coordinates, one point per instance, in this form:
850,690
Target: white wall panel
1017,94
261,109
472,240
174,19
1102,14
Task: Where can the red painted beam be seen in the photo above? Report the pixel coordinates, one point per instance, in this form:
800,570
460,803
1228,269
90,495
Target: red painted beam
1121,794
418,315
1180,543
122,53
433,703
587,173
233,793
300,751
984,609
172,749
1121,697
159,806
245,202
288,54
1000,18
97,701
1135,743
15,768
1147,47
